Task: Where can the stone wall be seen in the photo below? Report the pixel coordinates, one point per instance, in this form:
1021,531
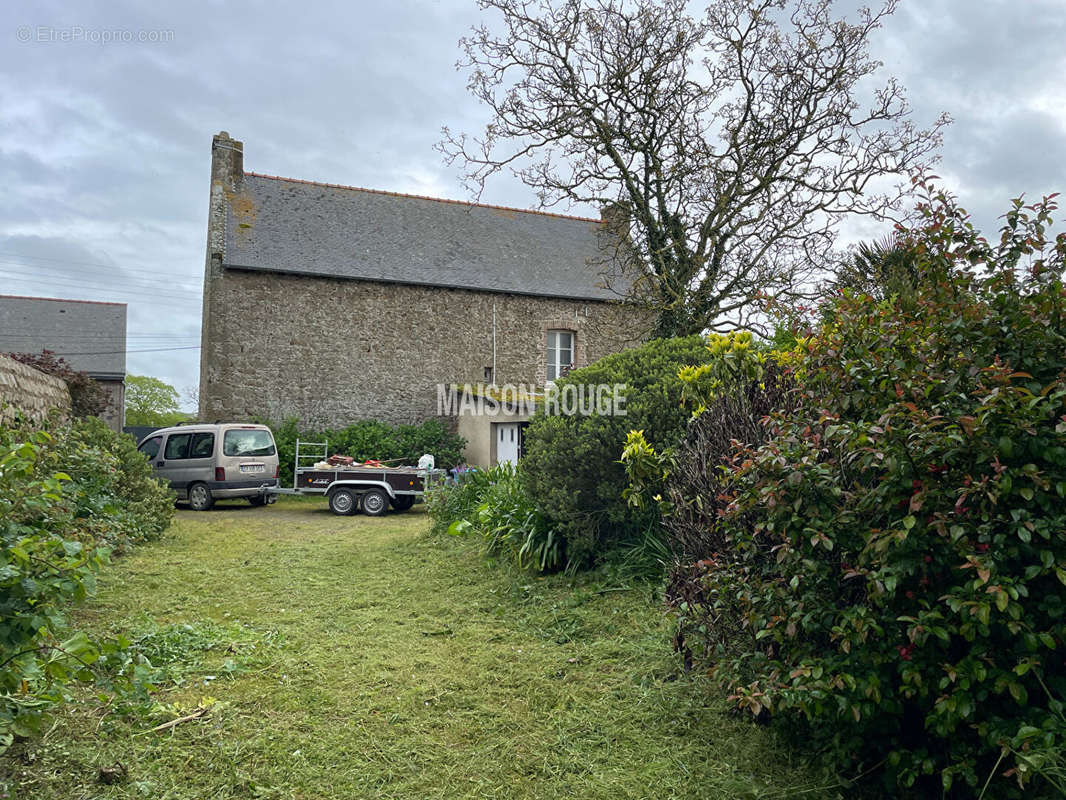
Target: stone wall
227,170
29,392
115,413
330,351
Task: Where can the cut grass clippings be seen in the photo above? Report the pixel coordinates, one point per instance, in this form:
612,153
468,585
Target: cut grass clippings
379,662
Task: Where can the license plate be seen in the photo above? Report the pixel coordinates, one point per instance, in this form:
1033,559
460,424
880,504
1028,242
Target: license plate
253,468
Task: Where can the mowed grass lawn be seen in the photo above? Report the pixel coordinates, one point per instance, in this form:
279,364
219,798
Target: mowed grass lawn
371,660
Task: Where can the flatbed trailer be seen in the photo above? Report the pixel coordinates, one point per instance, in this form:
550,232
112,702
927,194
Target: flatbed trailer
360,487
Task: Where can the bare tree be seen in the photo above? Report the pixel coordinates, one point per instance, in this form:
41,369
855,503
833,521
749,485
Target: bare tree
733,143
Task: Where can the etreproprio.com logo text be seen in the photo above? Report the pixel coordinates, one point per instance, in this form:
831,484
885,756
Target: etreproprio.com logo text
79,34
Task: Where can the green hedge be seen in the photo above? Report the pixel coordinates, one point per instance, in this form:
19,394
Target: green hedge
571,468
69,498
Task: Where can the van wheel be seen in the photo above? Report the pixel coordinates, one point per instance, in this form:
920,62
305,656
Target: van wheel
375,503
200,498
342,502
402,502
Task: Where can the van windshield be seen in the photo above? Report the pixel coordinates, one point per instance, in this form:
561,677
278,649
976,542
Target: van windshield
248,443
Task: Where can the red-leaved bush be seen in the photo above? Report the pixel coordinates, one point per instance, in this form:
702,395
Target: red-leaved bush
889,573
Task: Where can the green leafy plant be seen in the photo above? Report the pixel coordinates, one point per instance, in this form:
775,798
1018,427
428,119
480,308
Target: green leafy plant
571,468
69,497
116,498
452,502
682,480
41,570
493,504
512,524
889,570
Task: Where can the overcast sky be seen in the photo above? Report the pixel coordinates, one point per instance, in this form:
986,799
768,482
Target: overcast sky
105,147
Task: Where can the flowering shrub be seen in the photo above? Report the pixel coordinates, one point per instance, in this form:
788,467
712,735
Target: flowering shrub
889,562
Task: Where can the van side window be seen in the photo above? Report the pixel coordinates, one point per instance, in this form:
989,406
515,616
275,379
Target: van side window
151,447
177,446
247,442
203,445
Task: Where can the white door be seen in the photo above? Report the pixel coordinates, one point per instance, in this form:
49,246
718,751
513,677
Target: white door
507,443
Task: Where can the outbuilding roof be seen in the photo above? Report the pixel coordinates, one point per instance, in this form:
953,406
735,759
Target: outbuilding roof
89,335
286,225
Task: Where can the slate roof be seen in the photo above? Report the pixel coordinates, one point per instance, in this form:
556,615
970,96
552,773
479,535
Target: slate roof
286,225
90,336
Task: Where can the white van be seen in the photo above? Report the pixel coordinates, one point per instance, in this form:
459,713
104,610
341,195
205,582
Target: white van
206,462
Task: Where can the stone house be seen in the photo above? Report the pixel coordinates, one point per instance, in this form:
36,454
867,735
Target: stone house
332,303
88,335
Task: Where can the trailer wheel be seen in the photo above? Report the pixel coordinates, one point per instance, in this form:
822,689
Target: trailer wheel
402,502
342,502
375,503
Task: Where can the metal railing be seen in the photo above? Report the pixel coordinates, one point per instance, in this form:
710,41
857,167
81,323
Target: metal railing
318,455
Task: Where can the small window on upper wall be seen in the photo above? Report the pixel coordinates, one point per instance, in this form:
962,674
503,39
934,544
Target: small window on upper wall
560,357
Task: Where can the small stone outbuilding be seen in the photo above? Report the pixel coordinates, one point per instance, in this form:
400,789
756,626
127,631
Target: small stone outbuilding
333,303
88,335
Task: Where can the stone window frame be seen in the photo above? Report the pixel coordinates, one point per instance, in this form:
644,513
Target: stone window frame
571,326
557,364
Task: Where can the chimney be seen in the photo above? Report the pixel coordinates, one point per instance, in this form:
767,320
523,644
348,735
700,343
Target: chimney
227,177
615,215
227,162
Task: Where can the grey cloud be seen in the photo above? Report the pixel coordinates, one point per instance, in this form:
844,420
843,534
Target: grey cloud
1038,139
104,149
994,66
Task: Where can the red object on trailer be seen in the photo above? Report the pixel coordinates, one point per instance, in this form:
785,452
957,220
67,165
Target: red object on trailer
339,460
